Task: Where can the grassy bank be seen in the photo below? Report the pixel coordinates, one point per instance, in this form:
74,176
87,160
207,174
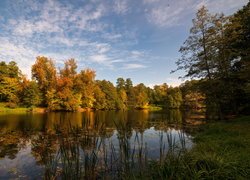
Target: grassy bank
222,151
5,109
150,107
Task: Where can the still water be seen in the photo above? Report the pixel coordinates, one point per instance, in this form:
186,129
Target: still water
93,144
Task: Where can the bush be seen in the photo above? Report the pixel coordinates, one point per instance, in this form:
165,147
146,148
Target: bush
11,105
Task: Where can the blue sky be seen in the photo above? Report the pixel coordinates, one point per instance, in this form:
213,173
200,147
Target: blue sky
137,39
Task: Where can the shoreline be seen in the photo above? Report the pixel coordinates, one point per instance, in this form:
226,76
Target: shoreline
45,110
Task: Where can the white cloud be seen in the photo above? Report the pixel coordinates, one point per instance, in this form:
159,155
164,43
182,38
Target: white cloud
133,66
105,60
137,54
150,1
162,16
53,16
99,58
27,28
63,40
219,6
166,14
120,6
171,13
102,48
23,55
111,36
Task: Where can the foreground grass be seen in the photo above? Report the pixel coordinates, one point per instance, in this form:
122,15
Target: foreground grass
222,151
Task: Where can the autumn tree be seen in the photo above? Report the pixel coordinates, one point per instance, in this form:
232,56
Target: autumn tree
65,96
70,69
85,85
44,73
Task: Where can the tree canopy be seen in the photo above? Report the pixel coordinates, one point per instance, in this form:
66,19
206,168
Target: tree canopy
217,53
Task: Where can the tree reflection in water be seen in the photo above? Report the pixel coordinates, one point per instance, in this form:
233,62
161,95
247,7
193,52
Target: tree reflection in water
100,144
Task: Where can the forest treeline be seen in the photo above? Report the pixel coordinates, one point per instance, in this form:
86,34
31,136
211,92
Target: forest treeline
66,89
216,53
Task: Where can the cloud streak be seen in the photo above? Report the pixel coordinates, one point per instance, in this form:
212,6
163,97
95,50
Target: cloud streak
133,66
165,14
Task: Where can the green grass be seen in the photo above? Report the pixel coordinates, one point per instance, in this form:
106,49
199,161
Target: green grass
5,109
154,108
150,107
222,151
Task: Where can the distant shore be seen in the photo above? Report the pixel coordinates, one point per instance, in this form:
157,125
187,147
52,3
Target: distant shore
5,109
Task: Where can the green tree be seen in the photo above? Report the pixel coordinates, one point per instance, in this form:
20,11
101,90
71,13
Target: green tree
10,70
130,92
112,100
100,99
128,84
238,31
120,84
31,94
205,55
198,50
10,83
174,98
121,92
160,94
141,96
9,90
122,96
192,97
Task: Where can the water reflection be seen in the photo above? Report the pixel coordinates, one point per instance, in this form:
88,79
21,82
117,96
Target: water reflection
87,145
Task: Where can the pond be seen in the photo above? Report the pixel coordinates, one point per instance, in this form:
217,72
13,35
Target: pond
91,144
